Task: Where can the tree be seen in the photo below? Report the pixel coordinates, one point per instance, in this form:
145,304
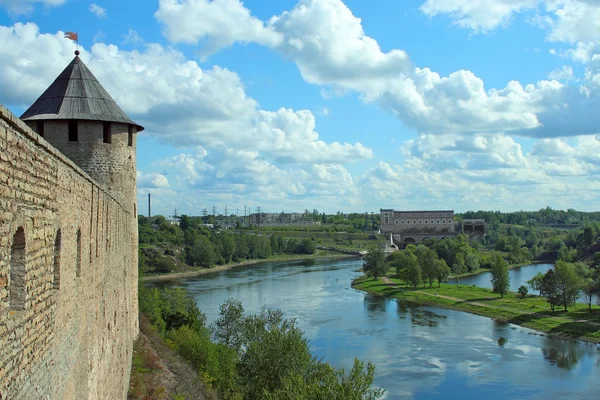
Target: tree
590,279
227,247
535,283
405,263
308,246
472,261
374,262
412,274
229,327
568,283
549,289
523,291
427,259
459,267
324,382
201,253
442,271
274,349
500,277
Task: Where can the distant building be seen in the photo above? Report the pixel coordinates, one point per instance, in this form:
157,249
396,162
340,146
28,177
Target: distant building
281,219
474,227
409,227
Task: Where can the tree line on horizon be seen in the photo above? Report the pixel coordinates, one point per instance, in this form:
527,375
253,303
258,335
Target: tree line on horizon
204,247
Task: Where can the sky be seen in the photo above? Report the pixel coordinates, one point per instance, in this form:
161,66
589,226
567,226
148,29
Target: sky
336,105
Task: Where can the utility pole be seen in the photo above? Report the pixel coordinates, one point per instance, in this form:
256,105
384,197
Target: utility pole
149,207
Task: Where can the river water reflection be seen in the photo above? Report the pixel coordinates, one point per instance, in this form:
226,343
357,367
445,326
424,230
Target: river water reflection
420,352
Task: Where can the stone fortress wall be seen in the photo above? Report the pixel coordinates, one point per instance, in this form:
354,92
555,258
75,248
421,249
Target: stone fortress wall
68,274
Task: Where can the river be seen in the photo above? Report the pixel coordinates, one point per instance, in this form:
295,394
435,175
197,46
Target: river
420,352
518,276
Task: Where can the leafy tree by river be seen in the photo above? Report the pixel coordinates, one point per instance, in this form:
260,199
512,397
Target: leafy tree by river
242,356
374,262
500,277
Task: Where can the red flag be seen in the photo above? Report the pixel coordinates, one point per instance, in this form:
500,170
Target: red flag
72,36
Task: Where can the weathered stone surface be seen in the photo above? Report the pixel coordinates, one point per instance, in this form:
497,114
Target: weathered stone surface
74,341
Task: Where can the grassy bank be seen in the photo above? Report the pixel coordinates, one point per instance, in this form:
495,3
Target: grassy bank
218,268
531,312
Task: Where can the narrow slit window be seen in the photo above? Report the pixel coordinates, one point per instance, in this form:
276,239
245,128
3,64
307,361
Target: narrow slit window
78,255
130,136
17,283
107,132
56,263
39,128
73,131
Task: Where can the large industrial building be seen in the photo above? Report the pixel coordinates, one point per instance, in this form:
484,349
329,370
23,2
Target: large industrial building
406,227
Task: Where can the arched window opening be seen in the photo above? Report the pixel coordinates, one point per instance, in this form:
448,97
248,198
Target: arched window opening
17,283
78,255
56,262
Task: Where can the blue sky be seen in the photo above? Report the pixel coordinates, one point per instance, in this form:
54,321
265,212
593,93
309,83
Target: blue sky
339,106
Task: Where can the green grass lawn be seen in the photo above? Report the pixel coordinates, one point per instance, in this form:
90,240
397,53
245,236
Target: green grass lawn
532,311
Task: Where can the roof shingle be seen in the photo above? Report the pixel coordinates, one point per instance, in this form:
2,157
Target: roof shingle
77,94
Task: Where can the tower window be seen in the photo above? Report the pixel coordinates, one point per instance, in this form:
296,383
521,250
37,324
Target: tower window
130,136
17,284
73,131
56,263
39,128
78,255
107,132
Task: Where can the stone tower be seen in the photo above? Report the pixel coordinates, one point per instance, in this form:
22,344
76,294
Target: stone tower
78,117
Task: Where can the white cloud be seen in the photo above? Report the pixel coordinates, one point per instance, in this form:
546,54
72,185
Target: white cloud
98,37
573,21
478,15
329,45
246,174
98,11
151,180
487,172
26,6
564,73
214,23
133,37
172,97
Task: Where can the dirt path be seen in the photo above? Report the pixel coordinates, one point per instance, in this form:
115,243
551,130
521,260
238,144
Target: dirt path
458,300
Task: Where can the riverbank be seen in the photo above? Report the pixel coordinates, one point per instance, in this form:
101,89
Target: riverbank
531,312
225,267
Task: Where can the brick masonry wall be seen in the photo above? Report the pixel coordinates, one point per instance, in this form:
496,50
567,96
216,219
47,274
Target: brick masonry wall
72,337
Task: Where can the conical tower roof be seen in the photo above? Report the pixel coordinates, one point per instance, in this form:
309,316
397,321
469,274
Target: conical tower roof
77,94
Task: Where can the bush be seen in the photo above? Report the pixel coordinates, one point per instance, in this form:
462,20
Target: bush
166,265
523,291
